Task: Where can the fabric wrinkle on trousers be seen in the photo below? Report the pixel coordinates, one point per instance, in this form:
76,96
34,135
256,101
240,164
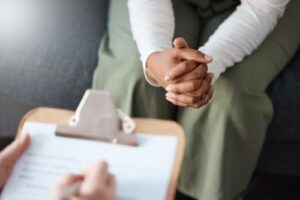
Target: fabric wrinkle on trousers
224,138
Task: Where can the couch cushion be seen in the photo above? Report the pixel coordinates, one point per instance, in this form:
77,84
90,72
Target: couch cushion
285,95
48,52
281,150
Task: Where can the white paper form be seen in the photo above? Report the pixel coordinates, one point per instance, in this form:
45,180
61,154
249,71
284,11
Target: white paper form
142,173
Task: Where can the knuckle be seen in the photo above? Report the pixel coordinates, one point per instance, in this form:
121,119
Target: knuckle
204,70
175,51
190,100
184,65
199,93
169,82
192,94
206,84
199,72
194,100
194,85
173,81
190,63
175,98
208,78
174,89
204,67
178,89
195,54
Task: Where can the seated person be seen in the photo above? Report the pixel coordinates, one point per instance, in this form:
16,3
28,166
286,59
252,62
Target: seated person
97,182
246,47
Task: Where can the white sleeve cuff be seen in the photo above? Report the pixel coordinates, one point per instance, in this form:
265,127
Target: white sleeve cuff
144,58
215,66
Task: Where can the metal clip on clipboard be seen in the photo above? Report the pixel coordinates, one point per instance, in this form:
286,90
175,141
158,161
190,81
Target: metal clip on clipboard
97,118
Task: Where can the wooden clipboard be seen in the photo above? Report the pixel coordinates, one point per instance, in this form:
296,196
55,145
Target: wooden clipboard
153,126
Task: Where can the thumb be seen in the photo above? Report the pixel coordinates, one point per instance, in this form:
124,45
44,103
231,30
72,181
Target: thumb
14,151
68,181
180,43
95,177
98,173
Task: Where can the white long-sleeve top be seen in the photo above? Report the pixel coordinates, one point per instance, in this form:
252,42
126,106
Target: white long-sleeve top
153,26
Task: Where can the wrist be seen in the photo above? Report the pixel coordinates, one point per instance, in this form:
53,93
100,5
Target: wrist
151,63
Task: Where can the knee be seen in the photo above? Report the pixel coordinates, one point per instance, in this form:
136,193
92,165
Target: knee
237,101
227,92
230,98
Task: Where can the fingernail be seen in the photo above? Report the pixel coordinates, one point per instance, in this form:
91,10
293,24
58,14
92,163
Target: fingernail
208,57
167,78
169,88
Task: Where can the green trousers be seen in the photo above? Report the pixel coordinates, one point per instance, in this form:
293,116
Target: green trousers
224,138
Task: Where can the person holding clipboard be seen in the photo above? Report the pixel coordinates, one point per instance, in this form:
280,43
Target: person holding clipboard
96,183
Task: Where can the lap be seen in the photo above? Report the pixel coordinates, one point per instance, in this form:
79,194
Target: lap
119,57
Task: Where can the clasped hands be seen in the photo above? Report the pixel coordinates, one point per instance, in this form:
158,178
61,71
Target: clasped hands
182,71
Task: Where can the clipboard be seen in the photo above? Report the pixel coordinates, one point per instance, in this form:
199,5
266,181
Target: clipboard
62,117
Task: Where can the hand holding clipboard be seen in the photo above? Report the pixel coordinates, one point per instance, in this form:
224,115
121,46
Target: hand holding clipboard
151,129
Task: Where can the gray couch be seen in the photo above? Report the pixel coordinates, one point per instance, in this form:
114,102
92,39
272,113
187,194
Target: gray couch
48,52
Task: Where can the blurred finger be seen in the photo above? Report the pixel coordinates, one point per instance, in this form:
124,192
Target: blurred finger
177,103
198,72
192,54
207,98
181,69
65,182
99,172
184,87
111,181
180,43
14,151
95,179
183,99
203,89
